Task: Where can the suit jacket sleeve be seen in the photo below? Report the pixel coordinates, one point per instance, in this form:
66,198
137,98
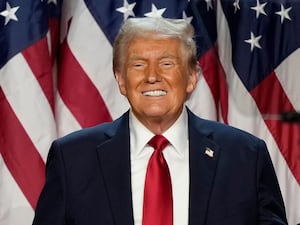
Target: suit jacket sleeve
51,205
270,203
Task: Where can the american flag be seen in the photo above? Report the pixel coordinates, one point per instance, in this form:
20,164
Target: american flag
56,77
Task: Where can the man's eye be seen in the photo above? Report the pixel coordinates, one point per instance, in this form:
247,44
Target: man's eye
138,65
167,64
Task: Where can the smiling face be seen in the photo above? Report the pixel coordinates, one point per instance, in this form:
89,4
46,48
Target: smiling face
156,81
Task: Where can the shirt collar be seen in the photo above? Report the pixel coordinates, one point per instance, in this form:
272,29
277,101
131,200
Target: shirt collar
177,134
139,135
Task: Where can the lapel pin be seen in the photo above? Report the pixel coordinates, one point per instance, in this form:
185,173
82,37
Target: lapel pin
209,152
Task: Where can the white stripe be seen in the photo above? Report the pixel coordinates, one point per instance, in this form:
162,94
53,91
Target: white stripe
288,74
66,122
29,103
93,51
14,207
244,114
201,101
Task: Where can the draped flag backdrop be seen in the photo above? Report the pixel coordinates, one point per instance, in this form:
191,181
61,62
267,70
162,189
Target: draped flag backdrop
56,77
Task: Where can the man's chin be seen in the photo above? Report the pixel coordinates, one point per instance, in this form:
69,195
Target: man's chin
151,113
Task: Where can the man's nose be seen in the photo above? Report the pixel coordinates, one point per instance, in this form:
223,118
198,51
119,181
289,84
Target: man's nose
153,74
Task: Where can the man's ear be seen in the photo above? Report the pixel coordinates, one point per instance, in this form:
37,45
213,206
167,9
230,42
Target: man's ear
192,82
121,82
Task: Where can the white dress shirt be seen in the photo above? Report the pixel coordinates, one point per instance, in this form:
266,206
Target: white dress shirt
177,157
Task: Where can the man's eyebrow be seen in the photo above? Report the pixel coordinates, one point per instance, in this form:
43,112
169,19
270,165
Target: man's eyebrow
168,55
163,56
135,57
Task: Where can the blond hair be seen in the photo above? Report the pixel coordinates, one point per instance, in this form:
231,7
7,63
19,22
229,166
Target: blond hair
156,28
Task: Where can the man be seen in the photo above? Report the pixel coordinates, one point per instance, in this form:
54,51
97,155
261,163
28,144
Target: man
218,174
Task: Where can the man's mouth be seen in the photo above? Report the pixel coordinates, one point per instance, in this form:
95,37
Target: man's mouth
154,93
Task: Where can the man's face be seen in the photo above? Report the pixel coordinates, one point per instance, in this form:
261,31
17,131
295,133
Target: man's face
156,79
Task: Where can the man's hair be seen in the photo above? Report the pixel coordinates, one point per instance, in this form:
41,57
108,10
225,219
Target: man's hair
156,28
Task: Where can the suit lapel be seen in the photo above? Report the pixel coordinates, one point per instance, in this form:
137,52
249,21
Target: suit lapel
204,155
114,157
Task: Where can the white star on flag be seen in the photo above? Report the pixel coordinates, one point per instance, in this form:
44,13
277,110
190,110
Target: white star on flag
254,41
236,5
259,8
127,9
155,13
284,13
209,4
9,13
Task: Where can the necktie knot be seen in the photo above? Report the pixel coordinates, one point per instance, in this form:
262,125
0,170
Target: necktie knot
158,142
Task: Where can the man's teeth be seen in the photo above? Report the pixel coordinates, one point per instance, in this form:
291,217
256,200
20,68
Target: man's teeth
155,93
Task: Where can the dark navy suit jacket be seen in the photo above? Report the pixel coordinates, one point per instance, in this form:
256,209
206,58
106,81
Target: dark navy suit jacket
88,179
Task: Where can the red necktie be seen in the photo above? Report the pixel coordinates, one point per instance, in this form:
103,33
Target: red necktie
158,201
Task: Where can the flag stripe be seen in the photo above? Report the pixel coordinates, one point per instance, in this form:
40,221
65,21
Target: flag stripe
38,58
286,135
73,85
201,100
54,38
66,120
27,99
19,154
14,207
95,57
288,75
215,77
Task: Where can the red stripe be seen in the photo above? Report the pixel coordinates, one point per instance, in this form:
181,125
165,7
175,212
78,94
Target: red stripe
38,59
54,34
214,75
271,99
19,154
79,93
